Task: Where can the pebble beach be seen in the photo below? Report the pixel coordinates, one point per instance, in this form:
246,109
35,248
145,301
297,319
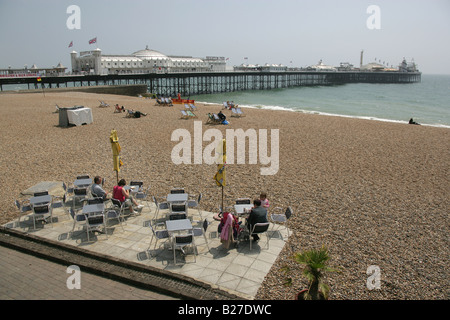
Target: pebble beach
374,193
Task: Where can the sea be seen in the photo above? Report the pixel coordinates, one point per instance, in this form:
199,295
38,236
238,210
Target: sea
427,102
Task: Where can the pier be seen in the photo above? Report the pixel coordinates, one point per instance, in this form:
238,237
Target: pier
187,84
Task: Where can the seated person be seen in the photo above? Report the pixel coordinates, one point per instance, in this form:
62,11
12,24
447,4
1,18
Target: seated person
138,114
124,196
118,109
235,225
135,114
97,190
258,214
264,200
411,121
222,116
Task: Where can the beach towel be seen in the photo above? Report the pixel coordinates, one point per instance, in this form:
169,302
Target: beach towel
226,235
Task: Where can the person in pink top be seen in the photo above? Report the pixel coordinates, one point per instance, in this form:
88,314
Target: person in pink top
264,200
123,195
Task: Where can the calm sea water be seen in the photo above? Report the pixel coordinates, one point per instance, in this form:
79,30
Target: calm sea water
427,102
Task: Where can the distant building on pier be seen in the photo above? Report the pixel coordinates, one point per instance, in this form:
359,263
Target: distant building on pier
142,61
34,71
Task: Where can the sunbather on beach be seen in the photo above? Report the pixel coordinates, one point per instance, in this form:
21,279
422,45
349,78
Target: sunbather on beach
135,114
222,116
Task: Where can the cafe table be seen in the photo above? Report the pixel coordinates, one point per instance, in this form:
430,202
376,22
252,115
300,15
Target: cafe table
93,209
81,183
177,197
40,200
174,226
240,209
132,189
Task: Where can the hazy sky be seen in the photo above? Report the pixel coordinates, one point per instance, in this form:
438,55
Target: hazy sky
265,31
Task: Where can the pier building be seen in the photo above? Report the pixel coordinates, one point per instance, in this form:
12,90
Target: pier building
140,62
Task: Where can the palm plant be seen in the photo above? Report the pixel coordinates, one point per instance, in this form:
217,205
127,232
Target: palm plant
316,264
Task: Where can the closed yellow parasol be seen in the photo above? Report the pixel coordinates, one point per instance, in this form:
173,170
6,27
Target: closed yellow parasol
220,177
113,138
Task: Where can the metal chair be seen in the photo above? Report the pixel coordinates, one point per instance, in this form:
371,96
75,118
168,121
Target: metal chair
40,193
121,208
112,214
159,206
67,189
94,222
94,200
78,219
79,194
259,228
178,209
137,183
201,231
59,202
281,218
177,190
24,207
243,201
141,196
177,216
181,241
42,212
196,204
158,235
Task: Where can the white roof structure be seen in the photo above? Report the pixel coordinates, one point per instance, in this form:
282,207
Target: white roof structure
149,54
373,66
322,67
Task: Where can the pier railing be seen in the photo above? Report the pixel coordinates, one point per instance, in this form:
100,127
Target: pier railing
187,84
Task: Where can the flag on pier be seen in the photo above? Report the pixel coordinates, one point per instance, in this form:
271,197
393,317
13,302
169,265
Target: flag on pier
94,40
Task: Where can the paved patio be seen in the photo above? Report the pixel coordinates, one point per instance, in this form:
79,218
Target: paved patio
237,270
